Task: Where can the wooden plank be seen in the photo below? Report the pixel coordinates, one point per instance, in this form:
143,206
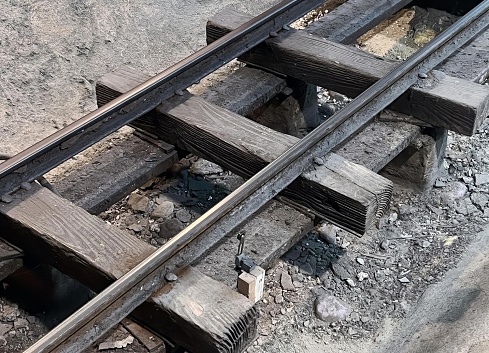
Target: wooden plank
239,91
458,105
245,147
210,306
348,203
96,253
350,71
128,164
379,143
354,18
471,62
269,235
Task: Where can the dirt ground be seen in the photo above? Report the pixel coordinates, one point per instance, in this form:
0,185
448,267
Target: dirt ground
52,53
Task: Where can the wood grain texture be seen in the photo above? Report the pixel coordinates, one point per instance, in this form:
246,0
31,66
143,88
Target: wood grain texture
129,164
211,307
78,240
444,101
354,18
379,143
245,147
269,234
350,71
97,253
471,62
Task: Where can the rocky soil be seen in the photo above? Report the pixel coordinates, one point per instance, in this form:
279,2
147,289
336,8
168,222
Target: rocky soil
333,291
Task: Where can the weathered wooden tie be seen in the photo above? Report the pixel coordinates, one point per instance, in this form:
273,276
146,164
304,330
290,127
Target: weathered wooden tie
96,253
350,71
342,192
350,20
127,165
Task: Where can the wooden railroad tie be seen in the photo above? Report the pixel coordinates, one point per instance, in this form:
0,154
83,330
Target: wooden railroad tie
342,192
443,101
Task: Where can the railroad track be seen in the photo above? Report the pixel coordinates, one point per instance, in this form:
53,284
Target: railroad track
305,172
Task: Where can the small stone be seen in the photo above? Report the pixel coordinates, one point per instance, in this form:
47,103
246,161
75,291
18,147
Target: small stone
170,228
306,269
306,323
3,341
380,276
279,299
405,211
385,244
404,280
163,210
365,319
205,167
425,244
351,331
282,310
9,313
183,215
299,277
440,183
286,282
136,228
138,203
327,232
318,160
466,207
479,199
160,241
298,284
31,319
4,328
454,191
355,317
26,186
330,309
148,185
360,261
392,217
481,179
7,198
350,282
171,277
340,271
467,180
21,324
361,276
293,254
294,269
449,240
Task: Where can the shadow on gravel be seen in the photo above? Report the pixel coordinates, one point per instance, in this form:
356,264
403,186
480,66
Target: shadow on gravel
313,257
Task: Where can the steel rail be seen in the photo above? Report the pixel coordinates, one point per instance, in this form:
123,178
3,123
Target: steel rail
117,300
67,142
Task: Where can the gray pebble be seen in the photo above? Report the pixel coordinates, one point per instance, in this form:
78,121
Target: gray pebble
170,228
183,215
330,309
171,277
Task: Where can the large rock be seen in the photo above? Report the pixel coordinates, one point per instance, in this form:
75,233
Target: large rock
170,228
286,282
163,210
330,309
138,203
